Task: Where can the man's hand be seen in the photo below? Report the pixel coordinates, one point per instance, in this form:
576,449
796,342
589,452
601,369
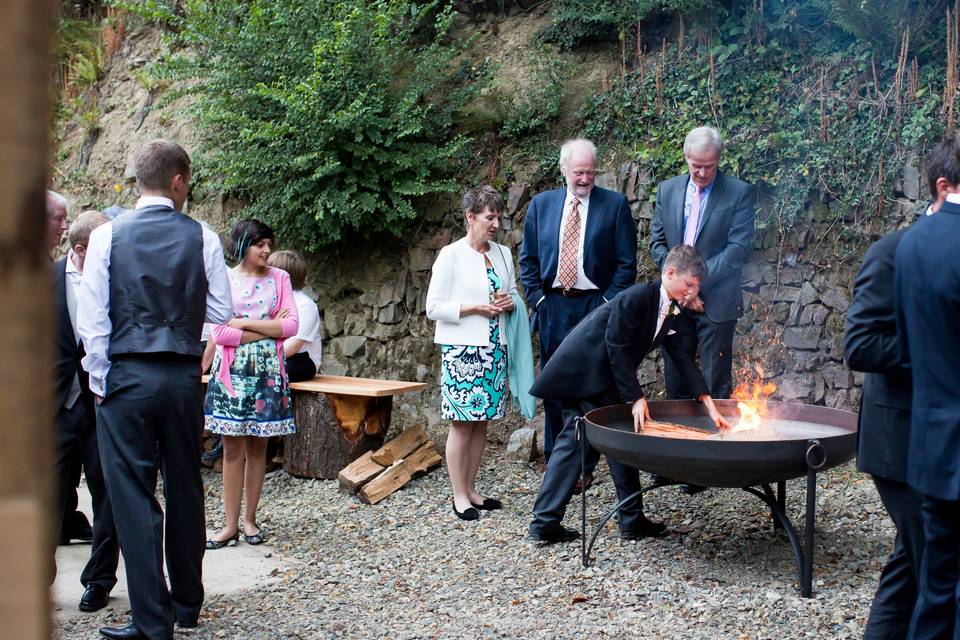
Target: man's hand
97,399
694,304
718,420
641,413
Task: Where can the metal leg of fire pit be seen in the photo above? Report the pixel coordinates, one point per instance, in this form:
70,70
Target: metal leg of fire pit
587,549
780,516
781,502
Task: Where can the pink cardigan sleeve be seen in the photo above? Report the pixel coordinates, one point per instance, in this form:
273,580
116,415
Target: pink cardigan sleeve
290,324
226,336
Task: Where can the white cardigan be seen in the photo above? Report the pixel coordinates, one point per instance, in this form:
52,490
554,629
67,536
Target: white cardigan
460,277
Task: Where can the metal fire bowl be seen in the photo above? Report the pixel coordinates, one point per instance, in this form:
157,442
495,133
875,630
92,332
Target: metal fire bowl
720,463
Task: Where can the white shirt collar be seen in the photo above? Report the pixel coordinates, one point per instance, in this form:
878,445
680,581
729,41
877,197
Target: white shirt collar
584,200
954,198
664,299
154,201
71,267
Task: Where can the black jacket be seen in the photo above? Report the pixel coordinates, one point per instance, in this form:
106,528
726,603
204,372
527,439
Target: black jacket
69,350
871,345
604,350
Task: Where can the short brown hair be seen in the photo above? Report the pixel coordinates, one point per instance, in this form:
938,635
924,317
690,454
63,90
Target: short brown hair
157,162
479,198
83,226
291,262
687,261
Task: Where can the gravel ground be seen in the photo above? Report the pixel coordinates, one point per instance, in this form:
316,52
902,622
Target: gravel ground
407,568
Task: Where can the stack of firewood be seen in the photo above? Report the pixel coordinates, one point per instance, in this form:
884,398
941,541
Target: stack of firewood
376,474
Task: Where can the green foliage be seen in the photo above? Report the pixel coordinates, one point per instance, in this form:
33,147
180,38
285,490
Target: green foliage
795,125
882,23
326,118
585,22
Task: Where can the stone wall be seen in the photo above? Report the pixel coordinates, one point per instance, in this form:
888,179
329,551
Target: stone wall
796,287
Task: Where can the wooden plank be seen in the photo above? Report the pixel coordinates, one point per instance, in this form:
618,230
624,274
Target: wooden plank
401,446
674,430
23,591
344,385
386,483
359,472
423,459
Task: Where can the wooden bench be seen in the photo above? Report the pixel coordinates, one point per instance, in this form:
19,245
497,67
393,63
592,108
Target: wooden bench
338,420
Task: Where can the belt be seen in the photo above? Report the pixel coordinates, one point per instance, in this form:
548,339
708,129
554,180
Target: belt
572,293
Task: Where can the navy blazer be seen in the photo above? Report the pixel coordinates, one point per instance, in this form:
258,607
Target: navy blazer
927,302
69,350
603,351
871,345
725,238
609,244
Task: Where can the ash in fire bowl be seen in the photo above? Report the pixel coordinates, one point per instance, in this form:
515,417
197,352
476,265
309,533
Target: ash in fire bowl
697,428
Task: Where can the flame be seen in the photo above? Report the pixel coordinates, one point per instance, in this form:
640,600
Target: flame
752,396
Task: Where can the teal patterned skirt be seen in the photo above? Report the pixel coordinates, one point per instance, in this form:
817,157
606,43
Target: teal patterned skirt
262,405
473,380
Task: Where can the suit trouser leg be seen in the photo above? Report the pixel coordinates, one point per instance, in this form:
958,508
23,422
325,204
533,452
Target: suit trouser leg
181,443
556,317
69,425
101,569
936,611
127,430
562,472
896,595
715,344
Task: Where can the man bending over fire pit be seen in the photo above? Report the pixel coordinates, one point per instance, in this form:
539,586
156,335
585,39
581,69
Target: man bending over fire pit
595,366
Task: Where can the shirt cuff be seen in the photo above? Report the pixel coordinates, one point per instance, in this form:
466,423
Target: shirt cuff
97,386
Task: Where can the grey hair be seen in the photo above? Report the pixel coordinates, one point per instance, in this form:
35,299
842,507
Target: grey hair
83,226
701,139
568,147
54,201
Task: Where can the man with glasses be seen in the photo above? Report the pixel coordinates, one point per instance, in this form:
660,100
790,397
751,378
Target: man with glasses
579,250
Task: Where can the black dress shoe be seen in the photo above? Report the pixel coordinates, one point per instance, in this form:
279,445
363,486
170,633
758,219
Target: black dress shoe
647,529
469,513
488,504
553,534
129,632
94,598
188,624
75,527
692,489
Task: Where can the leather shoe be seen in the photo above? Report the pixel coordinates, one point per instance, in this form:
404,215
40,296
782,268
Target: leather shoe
129,632
94,598
488,504
646,529
470,513
692,489
553,534
75,527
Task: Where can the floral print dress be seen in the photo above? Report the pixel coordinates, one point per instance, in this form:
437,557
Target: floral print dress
473,380
260,404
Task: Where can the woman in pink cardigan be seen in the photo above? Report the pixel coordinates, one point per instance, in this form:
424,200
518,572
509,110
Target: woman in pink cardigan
248,399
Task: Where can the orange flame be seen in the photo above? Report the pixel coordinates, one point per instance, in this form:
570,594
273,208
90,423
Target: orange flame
752,399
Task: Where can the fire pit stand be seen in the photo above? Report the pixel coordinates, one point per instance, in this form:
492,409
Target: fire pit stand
816,458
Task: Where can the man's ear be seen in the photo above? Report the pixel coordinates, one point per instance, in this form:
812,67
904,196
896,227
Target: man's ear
80,250
944,187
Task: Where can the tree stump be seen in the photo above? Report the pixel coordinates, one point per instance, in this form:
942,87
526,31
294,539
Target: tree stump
333,430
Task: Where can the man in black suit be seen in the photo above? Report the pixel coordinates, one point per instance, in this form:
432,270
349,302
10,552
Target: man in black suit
871,345
595,366
76,427
926,286
579,250
713,212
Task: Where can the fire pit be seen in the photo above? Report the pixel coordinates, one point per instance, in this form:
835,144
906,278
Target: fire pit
794,440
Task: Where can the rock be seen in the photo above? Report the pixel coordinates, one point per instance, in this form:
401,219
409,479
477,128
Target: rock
383,332
537,424
354,324
820,212
836,298
780,313
421,259
752,276
631,173
423,373
390,314
802,338
367,299
779,294
608,181
523,445
348,346
808,294
911,178
517,195
332,365
332,323
389,293
814,314
796,386
439,240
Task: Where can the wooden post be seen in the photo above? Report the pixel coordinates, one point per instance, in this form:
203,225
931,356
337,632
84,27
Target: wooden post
333,430
27,339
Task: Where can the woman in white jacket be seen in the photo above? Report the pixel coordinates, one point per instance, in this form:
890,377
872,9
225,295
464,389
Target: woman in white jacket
469,297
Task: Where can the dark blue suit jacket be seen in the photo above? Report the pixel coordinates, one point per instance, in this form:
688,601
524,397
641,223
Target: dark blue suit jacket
871,345
69,350
602,353
609,245
725,238
927,300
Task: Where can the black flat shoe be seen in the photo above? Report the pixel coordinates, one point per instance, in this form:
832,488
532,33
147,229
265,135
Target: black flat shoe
256,538
488,504
553,535
129,632
470,513
94,598
647,529
212,545
692,489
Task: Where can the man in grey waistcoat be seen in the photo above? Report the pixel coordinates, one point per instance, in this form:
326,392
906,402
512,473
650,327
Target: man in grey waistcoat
150,279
